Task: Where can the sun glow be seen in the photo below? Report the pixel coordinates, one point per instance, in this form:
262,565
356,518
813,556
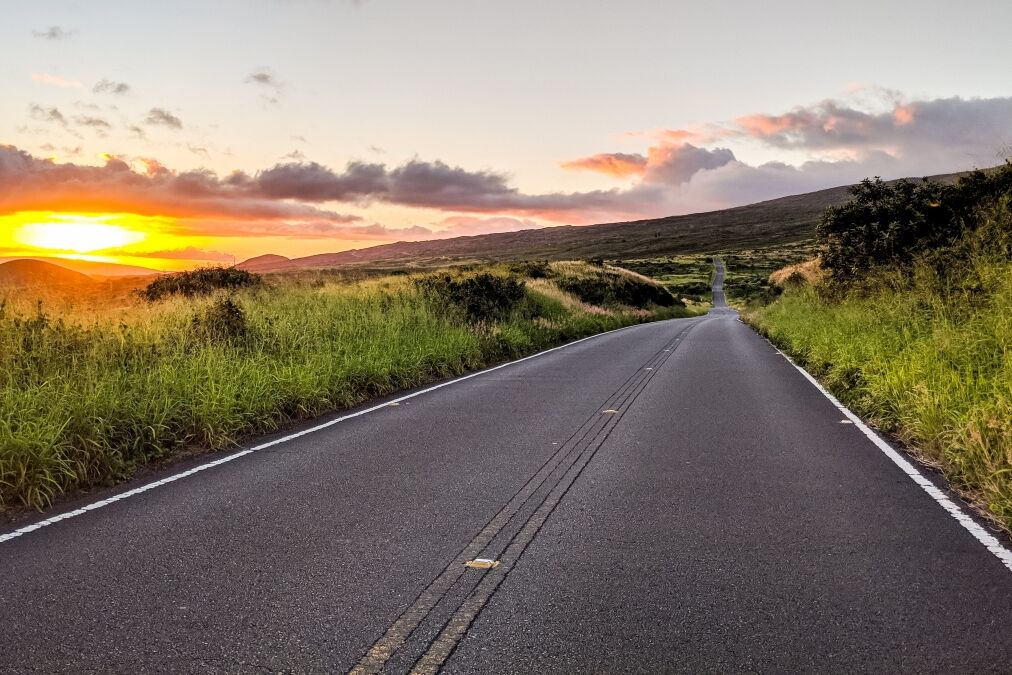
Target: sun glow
77,234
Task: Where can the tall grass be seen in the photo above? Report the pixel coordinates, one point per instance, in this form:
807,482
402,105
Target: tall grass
87,397
927,356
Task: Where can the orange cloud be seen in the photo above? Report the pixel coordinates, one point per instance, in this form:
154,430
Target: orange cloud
903,115
617,164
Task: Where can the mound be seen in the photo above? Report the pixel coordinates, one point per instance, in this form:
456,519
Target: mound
38,274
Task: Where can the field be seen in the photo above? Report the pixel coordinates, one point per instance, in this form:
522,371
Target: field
747,271
90,392
686,276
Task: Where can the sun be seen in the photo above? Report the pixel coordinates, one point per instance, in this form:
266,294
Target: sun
77,234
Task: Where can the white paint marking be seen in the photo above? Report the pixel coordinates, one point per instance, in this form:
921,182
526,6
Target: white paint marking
305,432
989,541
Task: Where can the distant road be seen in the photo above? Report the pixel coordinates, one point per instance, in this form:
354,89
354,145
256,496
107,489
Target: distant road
672,496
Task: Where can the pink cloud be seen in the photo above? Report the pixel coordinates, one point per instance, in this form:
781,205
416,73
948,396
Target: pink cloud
617,164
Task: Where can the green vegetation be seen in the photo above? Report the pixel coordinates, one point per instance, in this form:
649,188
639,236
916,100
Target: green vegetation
89,396
746,273
913,327
200,282
686,276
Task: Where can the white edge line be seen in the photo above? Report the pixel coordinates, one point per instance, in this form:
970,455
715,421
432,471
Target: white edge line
989,541
305,432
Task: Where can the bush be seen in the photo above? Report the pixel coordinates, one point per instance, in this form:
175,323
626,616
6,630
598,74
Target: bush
893,224
533,269
224,321
617,289
482,297
200,282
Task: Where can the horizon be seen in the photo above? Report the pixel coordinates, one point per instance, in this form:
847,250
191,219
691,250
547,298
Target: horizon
147,161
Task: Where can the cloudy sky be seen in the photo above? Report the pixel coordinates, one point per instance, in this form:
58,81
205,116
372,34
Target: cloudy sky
241,127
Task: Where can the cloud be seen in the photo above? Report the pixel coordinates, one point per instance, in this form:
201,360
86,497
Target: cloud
188,253
105,86
204,202
267,80
666,163
41,114
56,81
434,185
617,164
98,124
831,142
162,117
53,33
872,131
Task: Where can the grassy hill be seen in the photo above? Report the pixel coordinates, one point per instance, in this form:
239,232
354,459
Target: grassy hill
19,274
778,221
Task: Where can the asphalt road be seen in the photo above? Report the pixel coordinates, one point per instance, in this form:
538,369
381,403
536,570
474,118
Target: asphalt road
669,497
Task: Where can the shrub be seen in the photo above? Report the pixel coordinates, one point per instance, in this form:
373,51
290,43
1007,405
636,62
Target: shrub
200,282
533,269
893,224
617,289
223,321
481,297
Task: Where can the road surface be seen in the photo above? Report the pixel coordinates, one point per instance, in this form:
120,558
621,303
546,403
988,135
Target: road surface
674,496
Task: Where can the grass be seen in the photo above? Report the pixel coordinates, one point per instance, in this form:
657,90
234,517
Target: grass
926,356
747,272
89,395
686,276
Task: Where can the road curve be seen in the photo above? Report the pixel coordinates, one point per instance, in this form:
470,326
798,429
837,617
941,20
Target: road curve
672,496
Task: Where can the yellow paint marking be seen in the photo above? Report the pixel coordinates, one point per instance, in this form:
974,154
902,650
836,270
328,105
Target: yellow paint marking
482,564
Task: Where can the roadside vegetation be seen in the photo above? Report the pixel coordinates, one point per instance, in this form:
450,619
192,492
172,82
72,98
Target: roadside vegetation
688,277
200,360
907,317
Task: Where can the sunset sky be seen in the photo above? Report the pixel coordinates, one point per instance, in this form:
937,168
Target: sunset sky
173,134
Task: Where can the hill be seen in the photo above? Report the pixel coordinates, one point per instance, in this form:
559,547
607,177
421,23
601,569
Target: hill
39,274
91,268
778,221
265,263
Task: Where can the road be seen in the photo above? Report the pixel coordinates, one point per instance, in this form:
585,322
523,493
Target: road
674,496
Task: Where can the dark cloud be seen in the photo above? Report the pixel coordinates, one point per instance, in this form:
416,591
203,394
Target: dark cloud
207,202
265,78
105,86
93,122
162,117
268,81
53,33
41,114
433,185
198,150
676,164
